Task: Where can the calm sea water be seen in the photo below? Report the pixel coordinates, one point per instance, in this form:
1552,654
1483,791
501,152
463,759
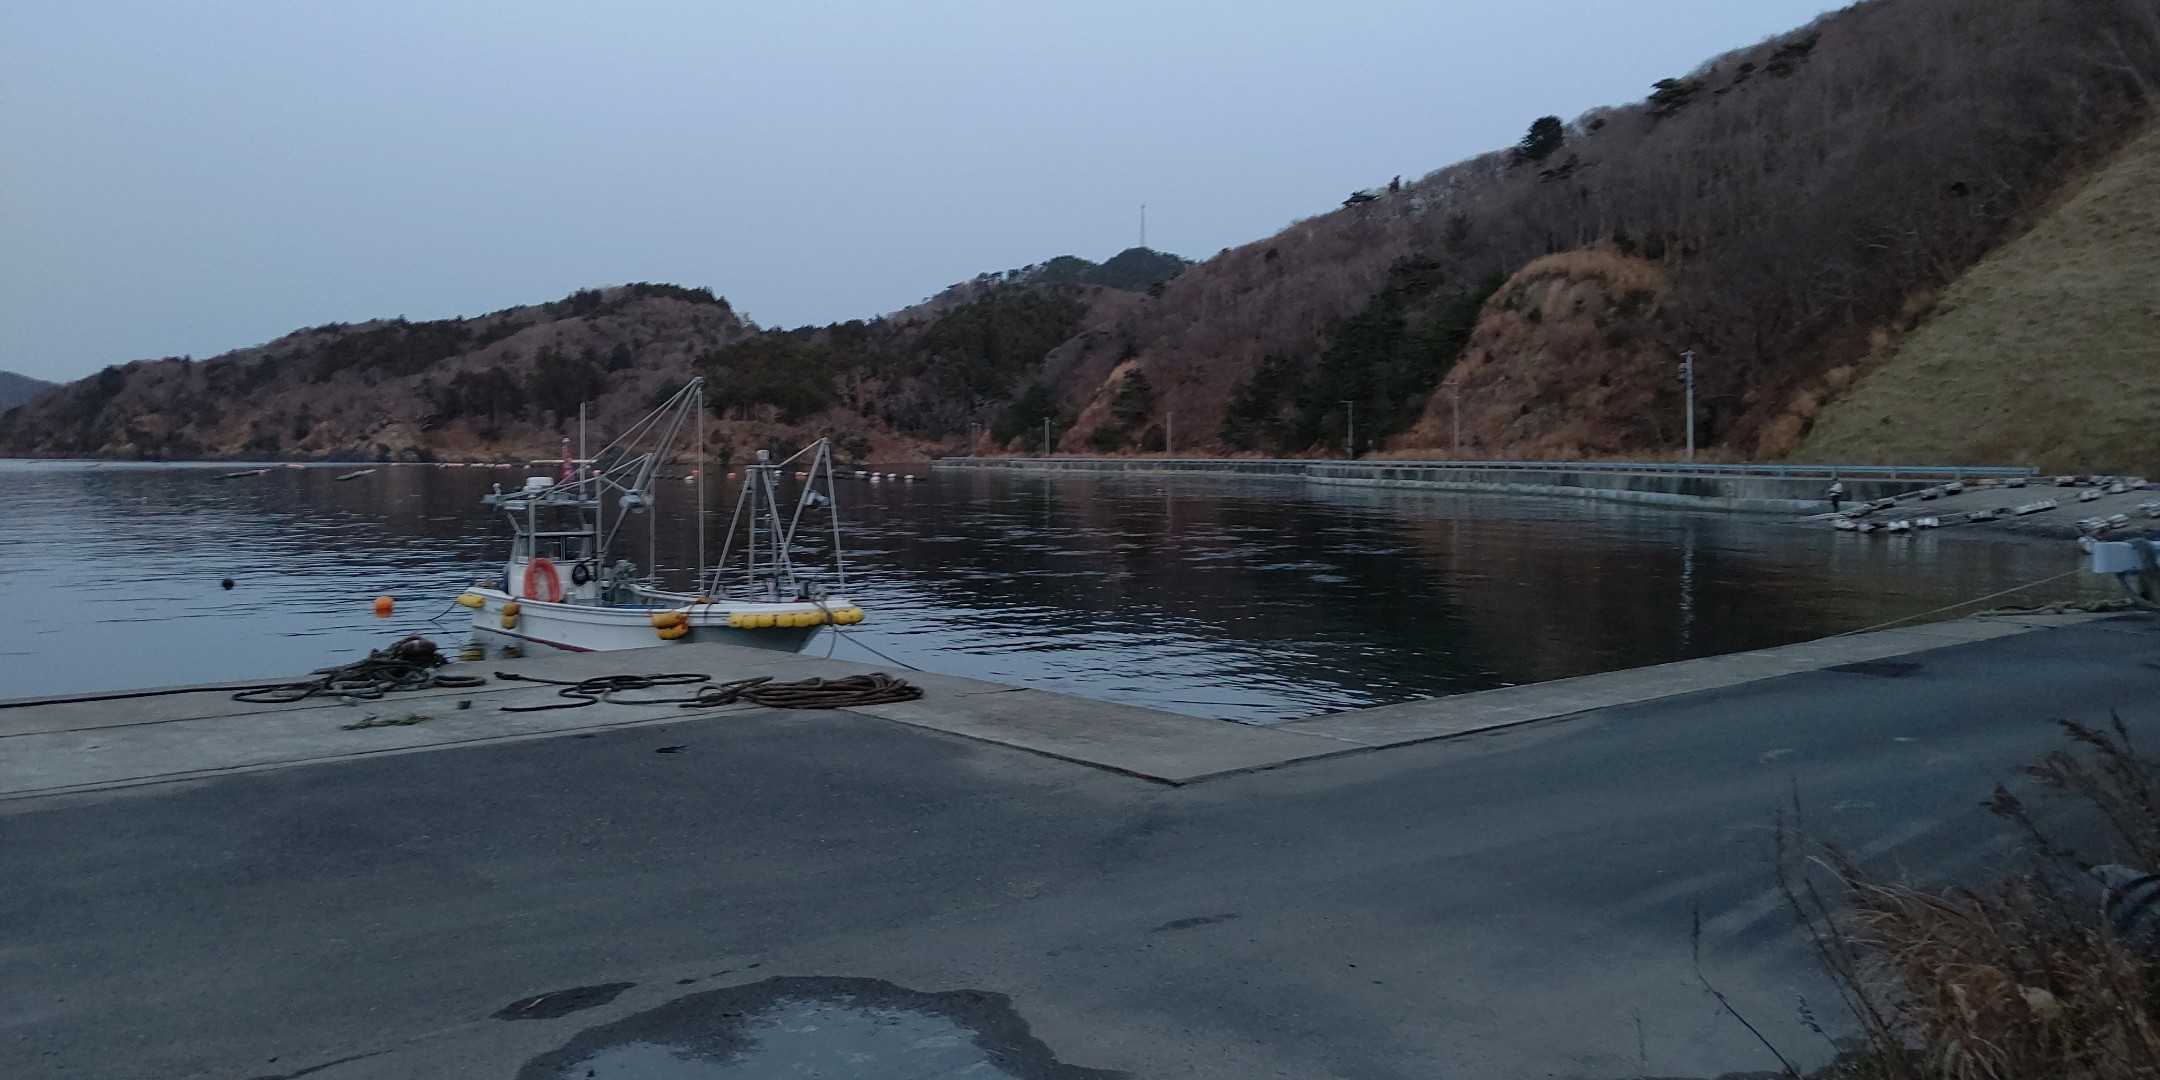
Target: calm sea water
1247,600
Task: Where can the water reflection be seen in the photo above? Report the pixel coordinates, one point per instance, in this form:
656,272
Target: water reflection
1246,600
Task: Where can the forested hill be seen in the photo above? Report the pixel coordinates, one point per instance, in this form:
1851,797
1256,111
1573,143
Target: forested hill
510,383
16,389
1792,211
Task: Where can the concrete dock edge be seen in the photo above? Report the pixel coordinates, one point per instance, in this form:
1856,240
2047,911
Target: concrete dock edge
65,746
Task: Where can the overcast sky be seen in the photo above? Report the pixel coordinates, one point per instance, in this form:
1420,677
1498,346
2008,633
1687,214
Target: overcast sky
181,177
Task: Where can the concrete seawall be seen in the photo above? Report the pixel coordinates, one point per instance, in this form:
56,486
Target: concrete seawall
1765,494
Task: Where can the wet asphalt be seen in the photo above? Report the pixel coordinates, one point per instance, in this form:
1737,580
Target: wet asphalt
806,894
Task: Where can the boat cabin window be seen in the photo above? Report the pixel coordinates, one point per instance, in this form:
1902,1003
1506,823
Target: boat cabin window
572,548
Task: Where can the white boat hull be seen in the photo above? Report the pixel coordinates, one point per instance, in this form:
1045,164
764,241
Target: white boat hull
595,628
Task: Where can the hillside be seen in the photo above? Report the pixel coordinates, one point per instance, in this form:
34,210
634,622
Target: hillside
2046,353
16,389
1132,270
504,383
509,383
1794,198
1790,211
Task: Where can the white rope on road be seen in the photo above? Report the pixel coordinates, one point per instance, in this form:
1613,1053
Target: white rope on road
1962,603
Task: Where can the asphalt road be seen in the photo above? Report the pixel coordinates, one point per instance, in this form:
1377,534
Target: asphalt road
842,896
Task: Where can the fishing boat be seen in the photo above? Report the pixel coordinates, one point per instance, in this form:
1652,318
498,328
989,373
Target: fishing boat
563,588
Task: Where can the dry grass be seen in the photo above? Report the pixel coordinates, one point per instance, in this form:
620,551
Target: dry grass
2047,353
2018,979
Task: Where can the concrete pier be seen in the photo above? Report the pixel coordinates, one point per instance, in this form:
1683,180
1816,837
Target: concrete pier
72,746
1008,881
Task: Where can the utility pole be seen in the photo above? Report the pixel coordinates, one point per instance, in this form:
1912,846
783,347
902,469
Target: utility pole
1350,436
1169,438
1143,224
1458,421
1046,436
1687,373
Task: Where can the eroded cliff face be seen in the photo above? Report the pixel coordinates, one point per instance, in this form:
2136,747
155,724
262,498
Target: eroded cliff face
1571,358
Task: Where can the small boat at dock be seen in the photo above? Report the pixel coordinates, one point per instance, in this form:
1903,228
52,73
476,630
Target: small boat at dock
562,587
243,473
353,475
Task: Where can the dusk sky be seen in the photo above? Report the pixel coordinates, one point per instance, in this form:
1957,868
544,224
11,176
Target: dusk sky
187,178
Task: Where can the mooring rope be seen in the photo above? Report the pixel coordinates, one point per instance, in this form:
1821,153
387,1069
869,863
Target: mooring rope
877,688
1962,603
407,665
833,624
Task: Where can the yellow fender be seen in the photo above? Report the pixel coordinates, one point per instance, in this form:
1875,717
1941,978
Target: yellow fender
666,620
670,633
473,600
510,615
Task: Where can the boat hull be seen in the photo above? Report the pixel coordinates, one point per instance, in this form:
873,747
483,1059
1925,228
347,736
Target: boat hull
591,628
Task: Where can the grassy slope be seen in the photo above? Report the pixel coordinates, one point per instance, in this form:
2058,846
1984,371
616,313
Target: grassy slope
2047,353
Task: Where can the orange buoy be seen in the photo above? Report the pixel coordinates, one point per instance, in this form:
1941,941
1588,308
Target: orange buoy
383,604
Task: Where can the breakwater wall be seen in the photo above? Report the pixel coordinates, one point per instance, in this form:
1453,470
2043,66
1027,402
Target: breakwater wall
1769,489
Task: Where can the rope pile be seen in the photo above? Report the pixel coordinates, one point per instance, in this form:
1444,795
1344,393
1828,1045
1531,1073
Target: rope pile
876,688
407,665
851,692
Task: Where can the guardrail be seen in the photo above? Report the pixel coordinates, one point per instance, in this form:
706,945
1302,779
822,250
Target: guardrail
1858,472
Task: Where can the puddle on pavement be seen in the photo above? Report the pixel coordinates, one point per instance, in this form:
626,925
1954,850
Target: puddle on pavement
813,1027
809,1038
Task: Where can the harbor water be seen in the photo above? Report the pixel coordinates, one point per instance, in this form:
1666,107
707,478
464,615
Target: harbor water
1247,600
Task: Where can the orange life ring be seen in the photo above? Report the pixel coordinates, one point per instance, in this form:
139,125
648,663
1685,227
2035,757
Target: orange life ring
551,582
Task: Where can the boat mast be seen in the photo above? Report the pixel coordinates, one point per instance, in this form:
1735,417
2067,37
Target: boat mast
698,465
832,497
599,499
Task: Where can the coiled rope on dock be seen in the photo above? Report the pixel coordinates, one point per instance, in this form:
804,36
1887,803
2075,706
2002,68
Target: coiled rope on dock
407,665
876,688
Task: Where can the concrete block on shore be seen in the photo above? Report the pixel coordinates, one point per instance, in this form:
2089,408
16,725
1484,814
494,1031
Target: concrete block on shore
2040,507
2015,481
2089,495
